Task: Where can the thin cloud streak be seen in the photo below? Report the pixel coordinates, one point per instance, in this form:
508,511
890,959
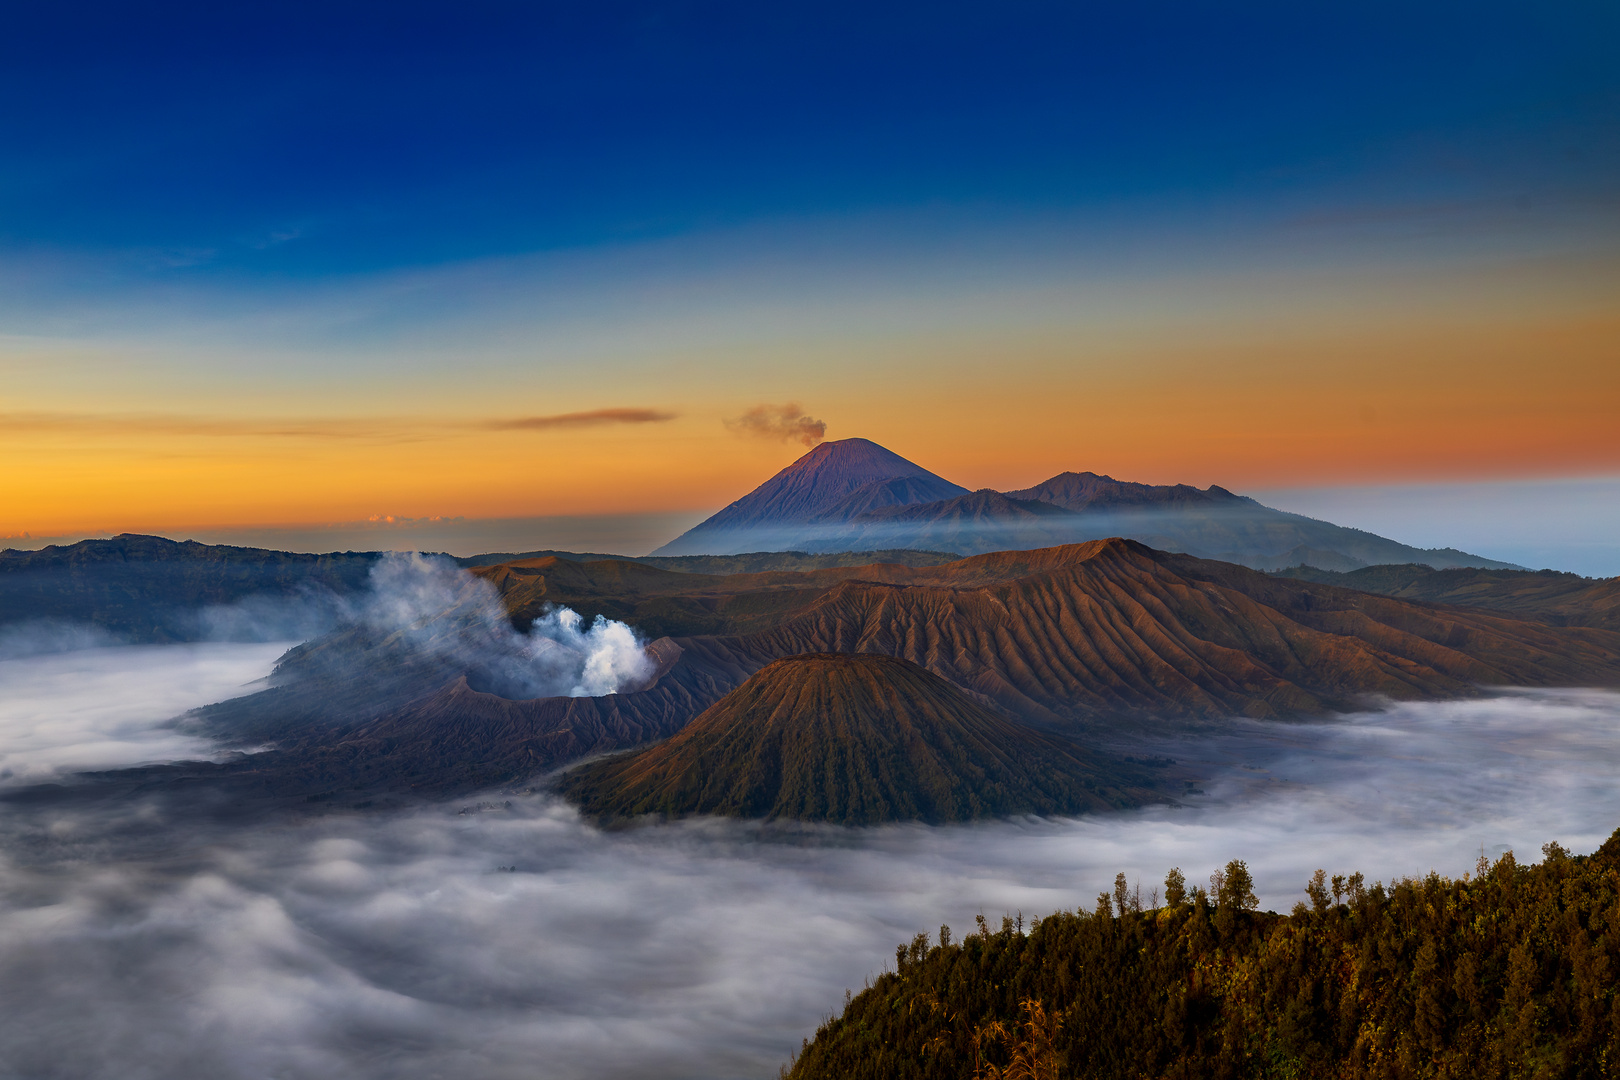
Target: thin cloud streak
113,425
581,419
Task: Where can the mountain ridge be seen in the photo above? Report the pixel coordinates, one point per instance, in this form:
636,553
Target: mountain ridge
1071,507
1102,642
813,486
852,740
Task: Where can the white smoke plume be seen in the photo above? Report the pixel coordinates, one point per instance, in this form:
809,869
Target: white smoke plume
451,613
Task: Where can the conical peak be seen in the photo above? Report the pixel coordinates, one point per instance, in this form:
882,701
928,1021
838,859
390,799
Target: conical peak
816,484
857,458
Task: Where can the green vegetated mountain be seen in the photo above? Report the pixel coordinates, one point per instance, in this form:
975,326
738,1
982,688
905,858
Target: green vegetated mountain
852,739
1546,595
1086,642
1509,973
147,588
853,495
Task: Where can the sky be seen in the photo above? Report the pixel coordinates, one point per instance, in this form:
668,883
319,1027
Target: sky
513,271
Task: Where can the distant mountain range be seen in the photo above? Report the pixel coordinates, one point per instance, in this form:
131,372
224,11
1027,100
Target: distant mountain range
854,495
151,589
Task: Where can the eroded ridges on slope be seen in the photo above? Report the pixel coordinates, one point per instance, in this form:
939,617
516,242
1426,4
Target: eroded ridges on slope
1112,626
852,739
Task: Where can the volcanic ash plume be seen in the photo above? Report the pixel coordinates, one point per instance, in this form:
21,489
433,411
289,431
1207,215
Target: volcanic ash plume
783,422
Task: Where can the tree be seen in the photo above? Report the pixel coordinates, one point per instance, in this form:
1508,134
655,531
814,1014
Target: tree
1235,890
1175,888
1316,889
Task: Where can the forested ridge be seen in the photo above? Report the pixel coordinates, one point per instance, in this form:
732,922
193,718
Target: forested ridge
1509,972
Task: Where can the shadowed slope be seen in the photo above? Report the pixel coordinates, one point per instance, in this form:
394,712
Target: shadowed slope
854,495
1546,595
1089,491
151,589
852,470
853,740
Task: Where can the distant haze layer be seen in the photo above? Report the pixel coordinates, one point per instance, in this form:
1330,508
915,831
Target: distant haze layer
502,937
1571,524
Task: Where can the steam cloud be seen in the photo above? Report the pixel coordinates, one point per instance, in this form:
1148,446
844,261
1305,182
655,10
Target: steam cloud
507,938
429,601
450,613
780,422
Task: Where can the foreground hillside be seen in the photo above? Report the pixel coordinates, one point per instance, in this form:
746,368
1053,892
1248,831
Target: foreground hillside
852,740
1509,974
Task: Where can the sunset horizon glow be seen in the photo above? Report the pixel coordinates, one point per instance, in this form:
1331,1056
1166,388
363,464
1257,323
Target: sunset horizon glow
307,269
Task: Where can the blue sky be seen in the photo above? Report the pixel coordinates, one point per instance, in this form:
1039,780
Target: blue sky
1272,246
302,139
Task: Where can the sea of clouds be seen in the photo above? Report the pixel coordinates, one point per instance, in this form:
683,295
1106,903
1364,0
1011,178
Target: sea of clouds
502,936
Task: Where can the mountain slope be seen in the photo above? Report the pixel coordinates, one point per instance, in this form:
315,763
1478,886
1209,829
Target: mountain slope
1089,491
148,588
1213,524
1112,628
1545,595
812,486
977,522
854,495
1099,638
852,740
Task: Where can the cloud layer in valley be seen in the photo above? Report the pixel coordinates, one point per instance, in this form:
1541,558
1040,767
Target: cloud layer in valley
106,707
504,937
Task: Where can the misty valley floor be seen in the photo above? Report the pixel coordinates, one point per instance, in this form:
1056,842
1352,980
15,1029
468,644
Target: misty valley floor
501,936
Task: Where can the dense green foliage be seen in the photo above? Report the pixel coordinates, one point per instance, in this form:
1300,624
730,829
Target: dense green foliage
1511,973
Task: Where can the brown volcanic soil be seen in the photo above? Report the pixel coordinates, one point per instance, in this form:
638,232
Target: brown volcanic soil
1092,638
851,740
1545,595
1090,632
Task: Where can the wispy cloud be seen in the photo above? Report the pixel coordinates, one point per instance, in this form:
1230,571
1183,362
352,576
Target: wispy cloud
780,422
362,428
580,419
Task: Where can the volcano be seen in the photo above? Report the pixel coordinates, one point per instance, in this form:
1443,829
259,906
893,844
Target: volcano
850,740
830,485
854,495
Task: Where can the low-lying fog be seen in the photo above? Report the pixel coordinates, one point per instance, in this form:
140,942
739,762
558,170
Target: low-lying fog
105,707
503,937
